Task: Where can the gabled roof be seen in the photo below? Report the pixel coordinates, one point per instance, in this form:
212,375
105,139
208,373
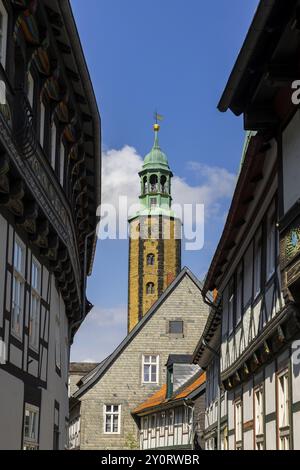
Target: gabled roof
82,367
159,399
100,370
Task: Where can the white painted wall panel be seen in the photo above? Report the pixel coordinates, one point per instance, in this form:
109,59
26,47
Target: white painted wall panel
15,356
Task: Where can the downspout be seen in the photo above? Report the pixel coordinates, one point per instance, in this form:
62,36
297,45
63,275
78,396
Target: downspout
217,355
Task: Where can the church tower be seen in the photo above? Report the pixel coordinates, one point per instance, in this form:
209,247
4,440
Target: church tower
155,237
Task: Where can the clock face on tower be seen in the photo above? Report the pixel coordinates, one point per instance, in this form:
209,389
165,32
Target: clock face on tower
292,243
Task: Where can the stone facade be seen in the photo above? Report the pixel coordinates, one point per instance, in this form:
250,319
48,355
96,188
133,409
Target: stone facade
158,236
120,382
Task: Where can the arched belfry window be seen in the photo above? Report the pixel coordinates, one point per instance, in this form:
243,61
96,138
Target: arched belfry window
153,183
150,259
163,184
145,185
150,288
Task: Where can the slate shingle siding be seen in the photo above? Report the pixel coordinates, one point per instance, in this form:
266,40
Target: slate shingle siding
122,382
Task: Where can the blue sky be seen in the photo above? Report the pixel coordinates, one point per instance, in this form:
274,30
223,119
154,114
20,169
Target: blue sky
176,57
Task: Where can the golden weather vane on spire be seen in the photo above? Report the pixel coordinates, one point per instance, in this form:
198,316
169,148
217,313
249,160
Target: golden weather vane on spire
158,118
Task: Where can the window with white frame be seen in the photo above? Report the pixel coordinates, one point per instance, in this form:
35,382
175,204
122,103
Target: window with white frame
112,419
187,416
53,145
42,123
153,426
162,423
259,417
239,293
3,33
284,410
35,303
238,424
30,88
150,369
31,428
74,433
62,164
257,264
145,427
271,242
18,288
171,422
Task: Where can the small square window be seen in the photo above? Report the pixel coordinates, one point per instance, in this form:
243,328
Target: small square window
176,327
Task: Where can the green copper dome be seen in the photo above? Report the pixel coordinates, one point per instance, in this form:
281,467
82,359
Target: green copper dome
156,159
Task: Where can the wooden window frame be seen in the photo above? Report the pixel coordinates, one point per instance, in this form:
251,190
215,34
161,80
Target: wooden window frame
35,295
238,444
150,363
112,414
171,422
283,431
19,276
30,443
259,439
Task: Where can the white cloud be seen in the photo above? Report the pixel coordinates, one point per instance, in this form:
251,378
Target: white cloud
120,178
108,317
101,332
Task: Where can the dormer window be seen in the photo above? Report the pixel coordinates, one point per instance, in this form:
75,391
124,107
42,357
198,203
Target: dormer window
150,288
150,259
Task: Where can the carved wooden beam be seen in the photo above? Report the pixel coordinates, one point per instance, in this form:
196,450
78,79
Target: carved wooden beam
40,238
13,200
73,75
4,169
64,48
29,217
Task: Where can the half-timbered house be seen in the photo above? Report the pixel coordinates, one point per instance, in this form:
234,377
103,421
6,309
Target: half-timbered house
256,265
49,193
173,417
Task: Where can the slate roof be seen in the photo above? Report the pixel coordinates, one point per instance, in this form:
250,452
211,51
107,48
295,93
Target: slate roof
159,399
82,367
99,371
179,359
